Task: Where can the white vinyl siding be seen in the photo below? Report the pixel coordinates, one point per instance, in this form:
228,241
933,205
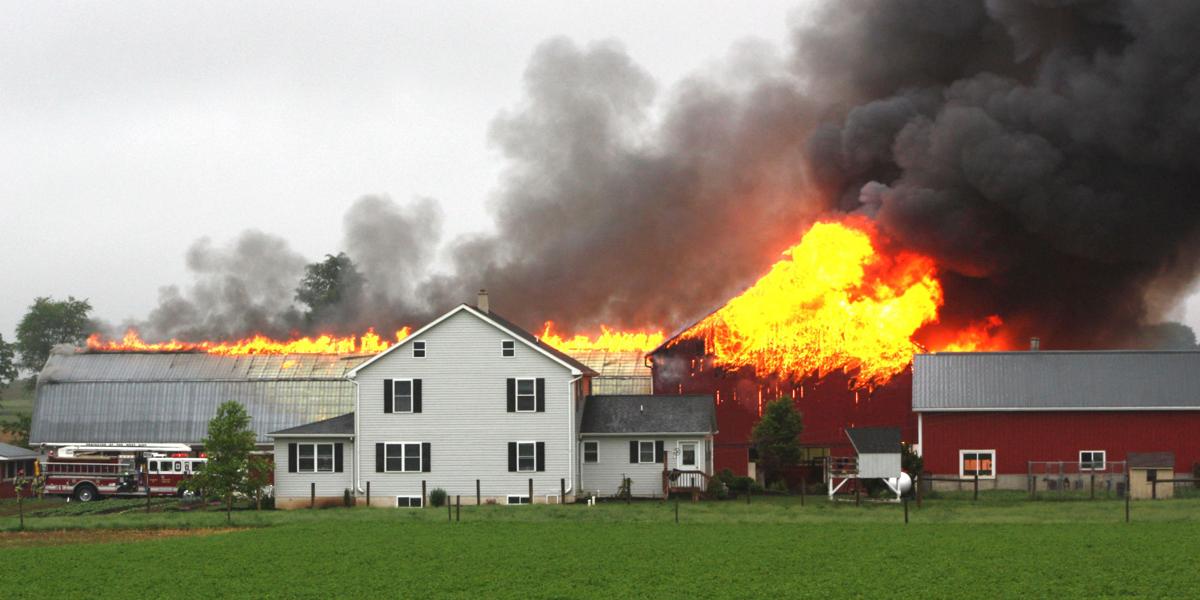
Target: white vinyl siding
603,477
297,485
465,418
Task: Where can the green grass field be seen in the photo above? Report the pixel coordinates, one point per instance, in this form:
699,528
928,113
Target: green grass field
1000,547
15,399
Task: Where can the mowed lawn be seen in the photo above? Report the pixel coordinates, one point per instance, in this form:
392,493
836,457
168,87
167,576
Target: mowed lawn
952,548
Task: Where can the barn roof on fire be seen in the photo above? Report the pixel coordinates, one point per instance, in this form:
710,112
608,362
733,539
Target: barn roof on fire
127,397
648,414
1054,380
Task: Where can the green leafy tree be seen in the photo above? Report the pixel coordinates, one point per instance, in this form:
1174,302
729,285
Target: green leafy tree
18,429
228,446
777,438
47,323
8,365
258,476
330,283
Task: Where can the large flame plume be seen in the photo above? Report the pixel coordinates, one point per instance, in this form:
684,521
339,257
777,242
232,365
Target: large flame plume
367,343
834,302
609,339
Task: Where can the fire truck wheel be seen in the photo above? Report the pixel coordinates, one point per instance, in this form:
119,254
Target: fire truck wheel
85,493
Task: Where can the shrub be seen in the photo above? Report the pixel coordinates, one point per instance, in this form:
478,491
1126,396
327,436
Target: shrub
727,477
754,487
779,486
437,497
716,488
742,484
347,498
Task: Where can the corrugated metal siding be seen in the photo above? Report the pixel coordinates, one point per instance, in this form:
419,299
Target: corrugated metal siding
618,372
1019,437
1048,380
604,477
298,485
464,414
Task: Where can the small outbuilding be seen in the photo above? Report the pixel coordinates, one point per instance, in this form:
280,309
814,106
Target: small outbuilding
14,461
1147,467
877,456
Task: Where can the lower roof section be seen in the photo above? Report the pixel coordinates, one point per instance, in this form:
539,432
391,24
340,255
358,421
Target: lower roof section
609,415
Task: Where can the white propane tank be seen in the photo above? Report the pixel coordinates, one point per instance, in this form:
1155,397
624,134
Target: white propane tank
905,483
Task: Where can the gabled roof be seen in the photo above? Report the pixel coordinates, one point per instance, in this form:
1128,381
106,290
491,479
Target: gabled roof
339,426
1057,380
875,440
648,414
11,452
496,321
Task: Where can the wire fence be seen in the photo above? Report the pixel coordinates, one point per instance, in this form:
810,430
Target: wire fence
1076,479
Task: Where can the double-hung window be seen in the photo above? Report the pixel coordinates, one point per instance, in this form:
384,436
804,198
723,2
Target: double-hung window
508,348
314,458
646,452
404,457
526,456
1092,460
402,395
418,349
526,395
977,462
591,452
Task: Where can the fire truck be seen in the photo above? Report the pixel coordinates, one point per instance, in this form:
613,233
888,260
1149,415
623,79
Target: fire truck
89,472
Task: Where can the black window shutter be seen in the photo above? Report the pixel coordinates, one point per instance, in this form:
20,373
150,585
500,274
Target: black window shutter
291,458
541,456
425,457
379,458
541,394
512,455
658,451
387,395
337,457
512,395
416,392
633,451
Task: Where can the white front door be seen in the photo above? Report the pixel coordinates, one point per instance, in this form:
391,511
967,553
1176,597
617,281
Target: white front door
689,456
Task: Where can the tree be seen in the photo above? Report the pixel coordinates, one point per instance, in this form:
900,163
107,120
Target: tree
18,428
8,367
30,483
47,323
228,446
258,476
777,438
330,283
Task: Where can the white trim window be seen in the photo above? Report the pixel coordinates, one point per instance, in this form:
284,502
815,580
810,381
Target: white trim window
314,458
418,348
526,394
402,457
1092,460
408,501
402,395
508,348
688,452
516,499
646,452
526,457
591,452
981,462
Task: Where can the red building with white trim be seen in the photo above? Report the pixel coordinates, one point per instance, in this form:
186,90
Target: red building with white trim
1010,415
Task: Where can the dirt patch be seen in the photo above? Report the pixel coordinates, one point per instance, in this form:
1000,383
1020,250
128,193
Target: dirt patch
99,536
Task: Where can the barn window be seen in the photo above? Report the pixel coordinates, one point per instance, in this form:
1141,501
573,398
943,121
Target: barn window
1092,460
591,452
419,349
508,348
526,395
313,458
977,462
402,457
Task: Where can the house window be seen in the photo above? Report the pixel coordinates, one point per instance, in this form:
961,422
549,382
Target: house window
408,501
1092,460
402,457
508,348
310,458
687,454
518,499
646,452
418,349
526,395
591,452
977,462
526,456
402,395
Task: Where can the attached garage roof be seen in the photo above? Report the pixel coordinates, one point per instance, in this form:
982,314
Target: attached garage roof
11,452
648,414
1050,380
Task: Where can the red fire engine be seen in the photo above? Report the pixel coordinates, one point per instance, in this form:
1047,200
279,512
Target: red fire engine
89,472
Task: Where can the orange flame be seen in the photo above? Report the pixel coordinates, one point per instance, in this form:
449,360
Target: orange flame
833,302
609,339
368,343
982,335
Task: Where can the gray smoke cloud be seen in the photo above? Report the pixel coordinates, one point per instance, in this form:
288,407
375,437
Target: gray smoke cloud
1042,151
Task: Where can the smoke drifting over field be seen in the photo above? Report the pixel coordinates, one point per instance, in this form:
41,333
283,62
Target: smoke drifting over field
1044,153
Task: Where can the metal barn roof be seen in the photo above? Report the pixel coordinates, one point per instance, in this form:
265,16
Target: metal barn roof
1052,380
617,372
648,414
89,397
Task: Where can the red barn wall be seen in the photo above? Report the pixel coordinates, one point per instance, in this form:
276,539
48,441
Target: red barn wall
1020,437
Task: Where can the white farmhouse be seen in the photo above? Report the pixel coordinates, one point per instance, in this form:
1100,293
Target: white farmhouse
478,407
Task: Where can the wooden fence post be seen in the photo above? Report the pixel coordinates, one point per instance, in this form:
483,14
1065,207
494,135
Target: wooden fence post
368,493
424,498
457,508
478,498
531,490
905,511
676,511
1093,486
312,495
976,497
449,510
920,483
803,488
1128,492
857,491
562,490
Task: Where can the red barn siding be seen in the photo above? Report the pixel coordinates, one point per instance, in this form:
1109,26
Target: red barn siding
1020,437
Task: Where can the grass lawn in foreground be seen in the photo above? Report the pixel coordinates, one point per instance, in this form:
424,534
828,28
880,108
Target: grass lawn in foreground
775,548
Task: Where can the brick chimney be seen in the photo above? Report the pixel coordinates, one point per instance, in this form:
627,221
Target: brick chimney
482,302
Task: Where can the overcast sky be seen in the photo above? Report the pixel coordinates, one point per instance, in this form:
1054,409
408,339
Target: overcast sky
131,129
